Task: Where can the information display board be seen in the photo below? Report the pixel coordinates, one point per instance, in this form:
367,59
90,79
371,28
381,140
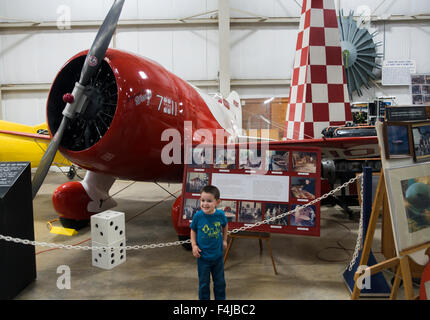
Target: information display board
397,72
256,184
10,171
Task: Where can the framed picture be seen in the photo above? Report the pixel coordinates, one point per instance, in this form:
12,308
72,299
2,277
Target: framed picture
409,198
250,212
421,141
277,160
191,206
304,161
406,113
396,140
275,209
196,181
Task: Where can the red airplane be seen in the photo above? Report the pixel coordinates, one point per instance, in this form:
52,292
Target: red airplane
110,112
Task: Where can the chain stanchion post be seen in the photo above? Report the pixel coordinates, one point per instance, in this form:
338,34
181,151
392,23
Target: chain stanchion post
367,199
375,285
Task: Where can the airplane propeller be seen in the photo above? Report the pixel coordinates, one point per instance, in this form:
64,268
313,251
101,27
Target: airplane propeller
77,101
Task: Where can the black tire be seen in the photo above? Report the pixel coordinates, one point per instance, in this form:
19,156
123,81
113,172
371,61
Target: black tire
186,246
74,224
71,173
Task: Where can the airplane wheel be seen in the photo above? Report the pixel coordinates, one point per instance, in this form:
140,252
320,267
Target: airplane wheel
186,246
74,224
72,173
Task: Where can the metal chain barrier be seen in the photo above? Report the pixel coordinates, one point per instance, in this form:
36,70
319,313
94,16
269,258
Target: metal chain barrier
358,243
176,243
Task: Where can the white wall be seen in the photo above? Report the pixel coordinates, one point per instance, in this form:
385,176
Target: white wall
257,52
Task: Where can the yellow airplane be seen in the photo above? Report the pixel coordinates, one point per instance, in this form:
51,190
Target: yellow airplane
19,142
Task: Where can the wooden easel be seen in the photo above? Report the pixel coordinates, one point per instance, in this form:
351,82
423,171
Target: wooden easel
402,264
252,235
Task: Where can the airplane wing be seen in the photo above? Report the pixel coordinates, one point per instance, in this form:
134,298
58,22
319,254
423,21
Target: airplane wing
337,148
23,143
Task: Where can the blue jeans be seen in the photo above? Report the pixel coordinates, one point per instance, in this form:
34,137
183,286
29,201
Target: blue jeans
205,268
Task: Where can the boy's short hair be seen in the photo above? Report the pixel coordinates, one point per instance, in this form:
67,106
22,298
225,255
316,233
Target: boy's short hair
212,190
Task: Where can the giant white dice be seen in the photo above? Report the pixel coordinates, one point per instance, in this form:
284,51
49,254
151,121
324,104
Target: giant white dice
110,257
108,227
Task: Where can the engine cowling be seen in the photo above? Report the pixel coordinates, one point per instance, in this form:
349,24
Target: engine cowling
131,101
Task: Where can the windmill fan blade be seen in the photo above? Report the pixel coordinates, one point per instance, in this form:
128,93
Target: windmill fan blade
48,157
359,52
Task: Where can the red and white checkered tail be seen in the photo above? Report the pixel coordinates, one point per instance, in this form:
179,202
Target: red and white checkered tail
318,93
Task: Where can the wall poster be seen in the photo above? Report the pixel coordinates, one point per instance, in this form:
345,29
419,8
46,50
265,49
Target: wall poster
420,89
257,183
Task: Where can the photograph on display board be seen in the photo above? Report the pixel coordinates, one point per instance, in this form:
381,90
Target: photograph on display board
421,141
305,217
250,159
249,212
275,209
303,188
196,181
225,159
201,158
416,195
397,141
230,208
191,206
425,89
418,79
417,99
416,89
304,161
277,160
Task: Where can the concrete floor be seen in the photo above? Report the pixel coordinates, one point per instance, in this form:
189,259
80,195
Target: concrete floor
308,267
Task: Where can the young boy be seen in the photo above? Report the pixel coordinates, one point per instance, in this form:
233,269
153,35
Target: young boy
208,239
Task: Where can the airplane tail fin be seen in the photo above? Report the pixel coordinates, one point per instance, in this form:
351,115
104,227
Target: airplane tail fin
236,108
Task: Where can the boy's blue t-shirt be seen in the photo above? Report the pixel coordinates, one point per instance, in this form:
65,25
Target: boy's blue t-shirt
208,233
